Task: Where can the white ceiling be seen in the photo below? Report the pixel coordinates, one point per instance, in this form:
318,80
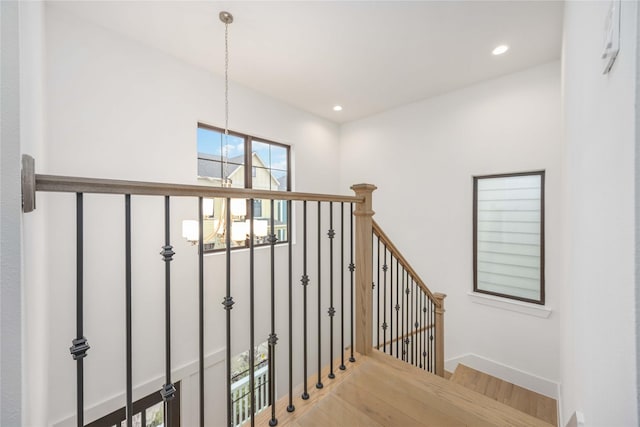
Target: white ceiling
368,56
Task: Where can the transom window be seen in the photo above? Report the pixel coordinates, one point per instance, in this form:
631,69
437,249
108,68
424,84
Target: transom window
508,235
242,161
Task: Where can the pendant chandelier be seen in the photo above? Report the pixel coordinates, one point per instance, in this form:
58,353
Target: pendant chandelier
240,226
227,19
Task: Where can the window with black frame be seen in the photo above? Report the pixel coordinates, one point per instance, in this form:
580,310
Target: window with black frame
242,161
508,236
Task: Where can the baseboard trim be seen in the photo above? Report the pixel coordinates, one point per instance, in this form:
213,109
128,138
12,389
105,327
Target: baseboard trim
115,402
576,420
518,377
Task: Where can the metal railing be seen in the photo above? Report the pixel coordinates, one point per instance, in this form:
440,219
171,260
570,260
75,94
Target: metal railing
408,316
340,278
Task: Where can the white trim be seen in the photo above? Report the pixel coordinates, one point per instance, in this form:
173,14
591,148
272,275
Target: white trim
515,376
115,402
511,305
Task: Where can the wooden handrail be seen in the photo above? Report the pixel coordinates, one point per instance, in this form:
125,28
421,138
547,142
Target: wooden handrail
403,261
56,183
417,331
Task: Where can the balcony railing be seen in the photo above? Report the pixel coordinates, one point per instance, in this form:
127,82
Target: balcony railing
334,300
241,395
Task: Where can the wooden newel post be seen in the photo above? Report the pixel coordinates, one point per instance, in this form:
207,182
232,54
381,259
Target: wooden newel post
364,275
440,334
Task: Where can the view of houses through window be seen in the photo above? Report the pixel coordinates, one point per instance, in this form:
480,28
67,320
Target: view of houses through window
240,383
242,161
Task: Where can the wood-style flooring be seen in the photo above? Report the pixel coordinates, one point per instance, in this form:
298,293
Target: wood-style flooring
380,391
524,400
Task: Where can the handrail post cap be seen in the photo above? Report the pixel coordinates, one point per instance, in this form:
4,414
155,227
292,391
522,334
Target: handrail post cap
364,187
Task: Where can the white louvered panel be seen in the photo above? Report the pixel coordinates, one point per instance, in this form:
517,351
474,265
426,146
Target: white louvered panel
509,259
519,205
506,280
509,270
518,238
506,248
522,227
509,182
512,194
508,290
509,216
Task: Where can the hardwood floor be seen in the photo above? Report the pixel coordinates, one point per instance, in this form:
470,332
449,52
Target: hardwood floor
379,390
524,400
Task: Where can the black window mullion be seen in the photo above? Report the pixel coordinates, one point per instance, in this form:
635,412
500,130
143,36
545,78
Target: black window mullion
248,162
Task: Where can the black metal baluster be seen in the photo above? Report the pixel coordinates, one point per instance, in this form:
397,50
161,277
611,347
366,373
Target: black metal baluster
378,303
416,324
420,323
252,345
411,319
352,268
429,352
402,307
431,338
391,307
397,307
128,303
290,407
332,310
319,383
273,338
384,302
227,303
168,390
79,345
426,330
418,296
342,367
408,326
200,310
305,283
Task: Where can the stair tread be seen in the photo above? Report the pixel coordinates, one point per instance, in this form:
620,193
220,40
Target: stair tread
520,398
379,390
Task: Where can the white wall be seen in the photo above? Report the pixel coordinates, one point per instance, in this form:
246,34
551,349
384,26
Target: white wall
117,109
35,287
423,156
599,354
10,203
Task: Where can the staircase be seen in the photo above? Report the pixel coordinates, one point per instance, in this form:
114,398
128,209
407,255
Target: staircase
379,390
377,309
527,401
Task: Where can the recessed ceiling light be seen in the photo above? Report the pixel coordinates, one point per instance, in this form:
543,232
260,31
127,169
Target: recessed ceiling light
337,108
499,50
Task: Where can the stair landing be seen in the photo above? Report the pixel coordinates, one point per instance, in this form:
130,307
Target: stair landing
378,390
527,401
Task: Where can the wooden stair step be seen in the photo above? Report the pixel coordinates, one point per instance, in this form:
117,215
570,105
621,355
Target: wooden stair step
520,398
379,390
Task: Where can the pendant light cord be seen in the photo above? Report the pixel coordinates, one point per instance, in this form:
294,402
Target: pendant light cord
226,103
